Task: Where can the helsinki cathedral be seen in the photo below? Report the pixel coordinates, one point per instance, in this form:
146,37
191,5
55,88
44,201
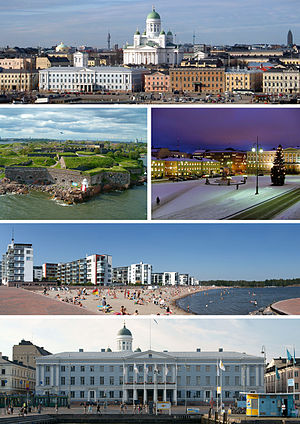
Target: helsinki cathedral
154,46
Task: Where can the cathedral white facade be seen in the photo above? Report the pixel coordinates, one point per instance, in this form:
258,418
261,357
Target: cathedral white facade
154,46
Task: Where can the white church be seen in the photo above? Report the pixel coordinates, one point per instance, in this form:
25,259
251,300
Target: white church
154,46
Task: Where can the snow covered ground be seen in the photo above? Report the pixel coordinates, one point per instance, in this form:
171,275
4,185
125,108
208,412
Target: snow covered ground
196,200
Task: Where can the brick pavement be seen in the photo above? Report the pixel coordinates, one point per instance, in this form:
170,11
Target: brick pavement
18,301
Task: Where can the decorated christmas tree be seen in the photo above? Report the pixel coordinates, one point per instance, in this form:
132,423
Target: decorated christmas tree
278,169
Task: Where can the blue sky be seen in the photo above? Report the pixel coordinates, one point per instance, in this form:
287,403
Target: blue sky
207,251
115,124
48,22
57,334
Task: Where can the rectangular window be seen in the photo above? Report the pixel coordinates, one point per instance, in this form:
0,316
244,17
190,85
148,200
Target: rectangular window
47,381
72,381
82,368
82,380
62,381
63,368
81,394
101,380
92,380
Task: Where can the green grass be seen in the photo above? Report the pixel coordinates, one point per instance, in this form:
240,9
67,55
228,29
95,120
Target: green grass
89,153
86,163
12,160
96,171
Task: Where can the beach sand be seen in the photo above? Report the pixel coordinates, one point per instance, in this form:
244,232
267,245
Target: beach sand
160,301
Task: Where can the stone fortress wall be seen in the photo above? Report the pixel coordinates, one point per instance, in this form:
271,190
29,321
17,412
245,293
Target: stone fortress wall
65,177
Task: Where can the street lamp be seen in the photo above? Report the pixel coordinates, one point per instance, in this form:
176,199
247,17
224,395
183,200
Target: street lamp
264,353
256,149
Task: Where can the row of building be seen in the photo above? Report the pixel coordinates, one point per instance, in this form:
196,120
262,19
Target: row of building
173,163
206,80
17,268
132,376
155,63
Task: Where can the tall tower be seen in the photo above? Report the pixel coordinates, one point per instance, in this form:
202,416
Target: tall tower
290,39
108,41
124,340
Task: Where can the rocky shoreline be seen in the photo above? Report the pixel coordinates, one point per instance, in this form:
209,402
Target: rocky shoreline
70,195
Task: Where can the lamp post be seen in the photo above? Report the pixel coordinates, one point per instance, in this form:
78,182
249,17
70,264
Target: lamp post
264,353
256,149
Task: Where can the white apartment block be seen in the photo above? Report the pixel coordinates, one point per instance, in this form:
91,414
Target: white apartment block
99,269
140,273
15,377
170,278
17,263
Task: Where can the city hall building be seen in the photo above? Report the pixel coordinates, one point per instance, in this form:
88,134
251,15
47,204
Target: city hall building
128,375
85,79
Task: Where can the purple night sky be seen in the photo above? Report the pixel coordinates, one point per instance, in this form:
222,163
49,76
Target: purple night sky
218,128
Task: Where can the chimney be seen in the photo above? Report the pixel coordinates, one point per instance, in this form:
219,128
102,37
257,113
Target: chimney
220,349
198,349
80,350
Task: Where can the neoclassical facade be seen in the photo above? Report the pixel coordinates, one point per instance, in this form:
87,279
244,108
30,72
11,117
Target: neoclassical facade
153,46
142,376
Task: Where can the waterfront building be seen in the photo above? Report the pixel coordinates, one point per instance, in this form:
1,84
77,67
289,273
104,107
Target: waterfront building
26,353
37,273
85,79
139,273
49,271
18,63
281,81
142,376
157,278
170,278
183,279
95,269
15,377
18,79
153,46
279,372
265,159
45,62
17,263
157,82
198,80
239,79
183,167
232,159
120,275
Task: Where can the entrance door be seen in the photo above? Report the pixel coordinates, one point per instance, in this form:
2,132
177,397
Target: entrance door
150,395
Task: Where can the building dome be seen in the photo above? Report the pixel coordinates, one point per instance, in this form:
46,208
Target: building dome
137,32
162,32
108,349
124,340
62,48
169,33
144,33
153,15
124,332
138,350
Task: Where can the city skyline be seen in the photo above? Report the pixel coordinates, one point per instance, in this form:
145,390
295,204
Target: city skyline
59,334
49,22
234,247
117,124
190,129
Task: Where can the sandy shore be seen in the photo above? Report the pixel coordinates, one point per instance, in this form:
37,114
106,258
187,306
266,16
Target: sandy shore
126,301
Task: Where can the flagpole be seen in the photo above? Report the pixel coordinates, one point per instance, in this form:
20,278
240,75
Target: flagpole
150,333
218,382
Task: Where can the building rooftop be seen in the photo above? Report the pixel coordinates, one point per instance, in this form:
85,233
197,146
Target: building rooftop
93,69
225,356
